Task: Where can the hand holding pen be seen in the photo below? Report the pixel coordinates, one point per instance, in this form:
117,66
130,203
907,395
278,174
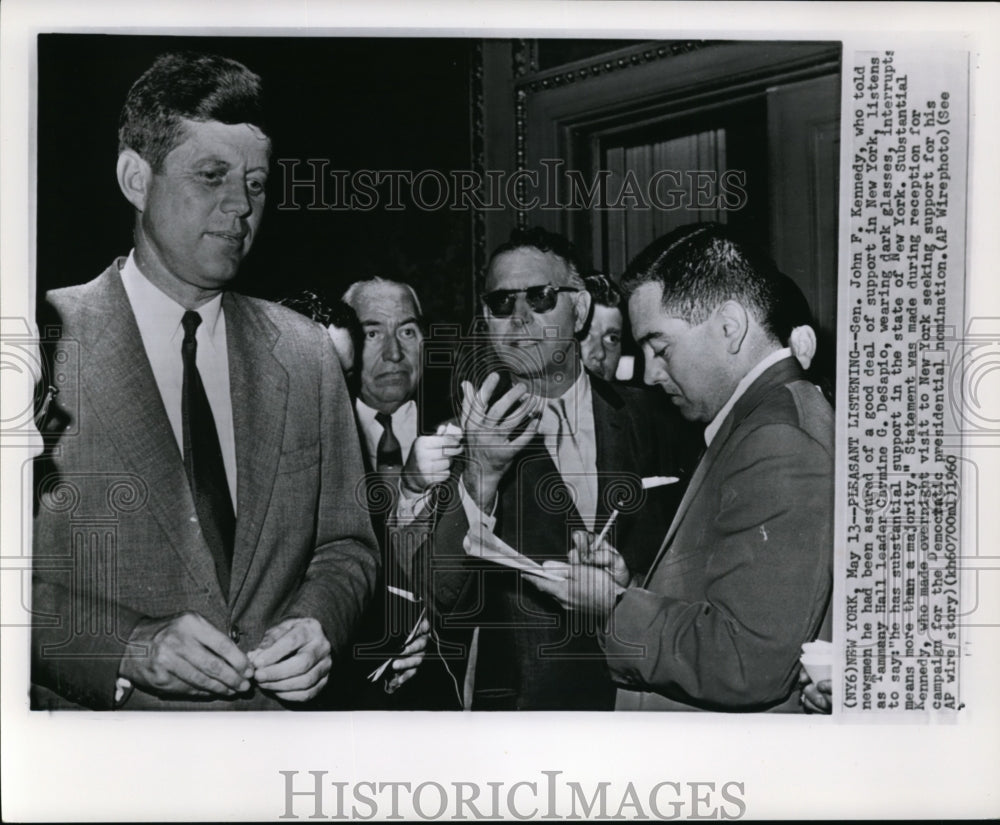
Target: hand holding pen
598,552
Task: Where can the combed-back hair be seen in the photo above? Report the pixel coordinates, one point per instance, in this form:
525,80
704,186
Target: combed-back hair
700,267
542,240
603,290
186,86
351,294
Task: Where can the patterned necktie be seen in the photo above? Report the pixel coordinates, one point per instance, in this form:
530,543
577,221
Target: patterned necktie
388,454
203,463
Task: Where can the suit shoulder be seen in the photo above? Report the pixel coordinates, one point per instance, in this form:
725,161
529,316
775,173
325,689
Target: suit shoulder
284,319
69,303
70,295
60,303
67,294
790,402
796,406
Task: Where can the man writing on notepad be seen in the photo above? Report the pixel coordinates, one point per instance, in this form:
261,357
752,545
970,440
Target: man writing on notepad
742,578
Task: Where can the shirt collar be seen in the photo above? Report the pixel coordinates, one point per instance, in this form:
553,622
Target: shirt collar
712,429
577,393
367,414
156,311
576,400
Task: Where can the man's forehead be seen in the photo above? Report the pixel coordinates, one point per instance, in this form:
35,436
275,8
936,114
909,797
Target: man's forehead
610,315
380,302
226,141
650,320
526,266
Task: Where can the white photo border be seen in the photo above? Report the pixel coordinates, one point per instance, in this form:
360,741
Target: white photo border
88,767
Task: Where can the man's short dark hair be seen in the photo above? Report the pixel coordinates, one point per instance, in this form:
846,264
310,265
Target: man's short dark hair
542,240
190,86
700,267
603,290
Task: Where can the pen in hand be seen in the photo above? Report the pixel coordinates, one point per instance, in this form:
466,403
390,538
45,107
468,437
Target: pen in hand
587,553
647,483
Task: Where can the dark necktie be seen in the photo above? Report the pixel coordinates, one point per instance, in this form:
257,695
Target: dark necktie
388,454
203,463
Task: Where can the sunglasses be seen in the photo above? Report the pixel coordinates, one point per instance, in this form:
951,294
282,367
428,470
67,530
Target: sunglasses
541,299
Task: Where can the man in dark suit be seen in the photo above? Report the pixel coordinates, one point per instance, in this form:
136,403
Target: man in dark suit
405,454
548,448
198,542
743,577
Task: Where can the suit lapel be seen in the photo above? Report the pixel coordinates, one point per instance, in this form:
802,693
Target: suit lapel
612,446
117,374
776,375
258,386
697,479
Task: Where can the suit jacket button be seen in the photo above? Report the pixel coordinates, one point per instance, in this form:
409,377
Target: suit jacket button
234,634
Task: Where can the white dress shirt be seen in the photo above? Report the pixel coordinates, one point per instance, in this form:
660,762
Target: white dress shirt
712,429
572,443
404,427
158,317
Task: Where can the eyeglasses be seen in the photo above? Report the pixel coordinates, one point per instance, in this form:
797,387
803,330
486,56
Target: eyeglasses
541,299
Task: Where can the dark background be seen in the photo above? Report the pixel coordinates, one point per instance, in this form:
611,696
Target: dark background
362,103
456,104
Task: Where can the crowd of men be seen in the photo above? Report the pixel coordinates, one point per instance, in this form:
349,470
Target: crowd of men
241,507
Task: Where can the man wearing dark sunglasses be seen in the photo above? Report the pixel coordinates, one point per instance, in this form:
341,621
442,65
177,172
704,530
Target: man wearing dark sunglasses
549,448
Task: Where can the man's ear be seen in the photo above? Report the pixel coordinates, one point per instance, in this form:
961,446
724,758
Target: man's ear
802,342
734,324
581,309
134,176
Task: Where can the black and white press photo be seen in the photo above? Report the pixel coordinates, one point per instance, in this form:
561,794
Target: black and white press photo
572,410
280,525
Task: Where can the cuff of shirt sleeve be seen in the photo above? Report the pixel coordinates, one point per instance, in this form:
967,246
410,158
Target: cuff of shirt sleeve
473,514
411,506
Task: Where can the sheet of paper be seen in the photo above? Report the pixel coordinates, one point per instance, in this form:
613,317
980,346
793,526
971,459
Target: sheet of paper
484,545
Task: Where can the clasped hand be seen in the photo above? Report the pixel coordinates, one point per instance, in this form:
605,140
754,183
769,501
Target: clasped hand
430,458
594,575
186,655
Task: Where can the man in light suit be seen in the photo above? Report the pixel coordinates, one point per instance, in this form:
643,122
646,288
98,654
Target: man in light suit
199,542
743,577
548,447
